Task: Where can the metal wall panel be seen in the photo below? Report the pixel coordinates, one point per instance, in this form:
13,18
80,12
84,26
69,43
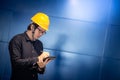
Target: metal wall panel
5,23
111,69
5,67
72,66
75,36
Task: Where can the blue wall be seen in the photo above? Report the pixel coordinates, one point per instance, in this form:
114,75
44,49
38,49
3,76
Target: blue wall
83,34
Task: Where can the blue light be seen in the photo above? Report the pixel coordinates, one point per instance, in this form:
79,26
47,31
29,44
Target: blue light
86,10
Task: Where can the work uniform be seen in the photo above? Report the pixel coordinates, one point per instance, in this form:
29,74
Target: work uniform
23,54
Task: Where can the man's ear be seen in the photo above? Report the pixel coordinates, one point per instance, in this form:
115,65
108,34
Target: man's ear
32,28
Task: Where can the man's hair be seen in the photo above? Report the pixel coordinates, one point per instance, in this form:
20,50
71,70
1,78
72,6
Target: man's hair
32,24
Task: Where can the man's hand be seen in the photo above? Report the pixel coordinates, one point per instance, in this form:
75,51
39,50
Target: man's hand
42,63
42,56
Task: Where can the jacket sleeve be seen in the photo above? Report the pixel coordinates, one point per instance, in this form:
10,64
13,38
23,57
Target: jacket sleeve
15,50
38,69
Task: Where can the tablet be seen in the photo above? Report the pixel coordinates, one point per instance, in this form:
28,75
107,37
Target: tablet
49,58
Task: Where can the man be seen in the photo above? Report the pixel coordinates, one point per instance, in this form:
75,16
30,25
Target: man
26,51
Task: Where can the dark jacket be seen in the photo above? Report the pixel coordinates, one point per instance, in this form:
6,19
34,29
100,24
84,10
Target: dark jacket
23,54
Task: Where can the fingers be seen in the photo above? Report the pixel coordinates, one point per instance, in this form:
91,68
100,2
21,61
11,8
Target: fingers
40,59
41,64
42,56
47,61
45,54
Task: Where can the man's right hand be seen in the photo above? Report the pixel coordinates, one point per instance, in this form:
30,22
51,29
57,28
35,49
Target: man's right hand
42,56
43,64
40,62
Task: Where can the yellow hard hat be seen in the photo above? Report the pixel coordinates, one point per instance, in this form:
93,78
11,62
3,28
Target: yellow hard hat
41,19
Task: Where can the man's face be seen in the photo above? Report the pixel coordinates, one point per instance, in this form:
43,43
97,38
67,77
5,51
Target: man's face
39,32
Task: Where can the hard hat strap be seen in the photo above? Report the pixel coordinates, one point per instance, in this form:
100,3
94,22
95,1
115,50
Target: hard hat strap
34,25
33,35
33,32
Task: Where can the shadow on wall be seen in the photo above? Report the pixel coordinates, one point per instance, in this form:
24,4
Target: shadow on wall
58,64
